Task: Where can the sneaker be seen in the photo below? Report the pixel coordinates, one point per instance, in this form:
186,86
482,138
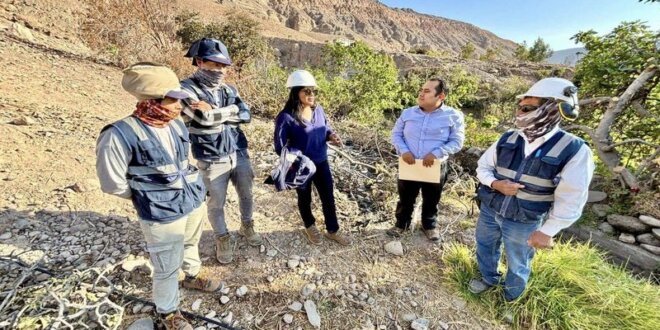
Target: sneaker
338,237
432,234
175,321
202,283
223,249
313,235
247,231
395,231
478,286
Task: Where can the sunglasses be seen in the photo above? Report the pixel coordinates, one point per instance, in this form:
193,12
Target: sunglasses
310,91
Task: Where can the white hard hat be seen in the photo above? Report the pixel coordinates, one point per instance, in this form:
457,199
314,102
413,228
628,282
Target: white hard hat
554,88
300,78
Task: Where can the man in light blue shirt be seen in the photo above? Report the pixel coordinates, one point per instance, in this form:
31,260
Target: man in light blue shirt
428,133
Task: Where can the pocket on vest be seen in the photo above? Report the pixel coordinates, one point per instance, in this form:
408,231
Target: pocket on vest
164,204
150,153
205,145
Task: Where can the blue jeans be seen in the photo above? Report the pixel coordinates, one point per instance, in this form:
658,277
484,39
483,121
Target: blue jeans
236,168
493,230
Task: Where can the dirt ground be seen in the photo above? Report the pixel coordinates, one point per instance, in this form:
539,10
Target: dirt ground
52,106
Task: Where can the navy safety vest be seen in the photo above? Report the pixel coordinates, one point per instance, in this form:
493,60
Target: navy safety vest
538,172
162,188
216,142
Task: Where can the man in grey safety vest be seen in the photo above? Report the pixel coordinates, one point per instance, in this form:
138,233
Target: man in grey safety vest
533,183
144,157
213,114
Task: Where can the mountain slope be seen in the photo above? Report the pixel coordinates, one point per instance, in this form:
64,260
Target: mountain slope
378,25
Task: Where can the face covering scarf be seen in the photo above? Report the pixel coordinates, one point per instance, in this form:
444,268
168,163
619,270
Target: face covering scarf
153,114
539,122
208,78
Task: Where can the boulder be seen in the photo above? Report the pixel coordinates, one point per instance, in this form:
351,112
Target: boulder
596,196
649,239
627,224
651,221
653,249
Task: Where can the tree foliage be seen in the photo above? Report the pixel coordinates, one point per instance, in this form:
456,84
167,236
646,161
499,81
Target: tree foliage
538,52
611,65
238,32
358,82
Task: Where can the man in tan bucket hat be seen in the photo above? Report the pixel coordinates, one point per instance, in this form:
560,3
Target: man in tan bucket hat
144,157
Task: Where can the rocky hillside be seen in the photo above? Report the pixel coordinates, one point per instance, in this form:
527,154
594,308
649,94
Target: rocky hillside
380,26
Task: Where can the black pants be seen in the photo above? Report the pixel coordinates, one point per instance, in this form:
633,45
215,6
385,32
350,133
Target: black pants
431,193
322,179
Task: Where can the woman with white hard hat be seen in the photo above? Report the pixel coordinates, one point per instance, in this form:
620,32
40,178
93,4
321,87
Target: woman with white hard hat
302,125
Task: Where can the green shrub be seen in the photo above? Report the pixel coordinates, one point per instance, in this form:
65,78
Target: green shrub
357,82
571,287
467,51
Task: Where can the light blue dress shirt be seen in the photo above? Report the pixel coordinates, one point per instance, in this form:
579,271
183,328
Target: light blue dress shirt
440,132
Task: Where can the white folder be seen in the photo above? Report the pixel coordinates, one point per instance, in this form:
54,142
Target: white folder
419,172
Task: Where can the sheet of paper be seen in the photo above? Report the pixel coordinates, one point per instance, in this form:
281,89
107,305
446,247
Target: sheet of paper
419,172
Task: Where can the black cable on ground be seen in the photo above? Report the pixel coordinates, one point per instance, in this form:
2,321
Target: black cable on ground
121,293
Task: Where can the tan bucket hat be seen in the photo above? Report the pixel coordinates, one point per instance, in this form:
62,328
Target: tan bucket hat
146,80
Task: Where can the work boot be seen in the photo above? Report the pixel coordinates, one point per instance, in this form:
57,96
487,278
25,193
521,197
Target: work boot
340,238
223,249
432,234
202,283
313,235
395,232
477,286
175,321
247,231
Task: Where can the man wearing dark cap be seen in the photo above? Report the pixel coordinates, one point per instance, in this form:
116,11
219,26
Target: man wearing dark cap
213,115
144,157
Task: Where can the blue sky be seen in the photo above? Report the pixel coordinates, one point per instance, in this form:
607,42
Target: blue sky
554,20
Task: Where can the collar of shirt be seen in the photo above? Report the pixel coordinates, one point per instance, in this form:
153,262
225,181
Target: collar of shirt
442,107
530,147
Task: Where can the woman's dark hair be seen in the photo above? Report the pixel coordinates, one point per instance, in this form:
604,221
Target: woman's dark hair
293,105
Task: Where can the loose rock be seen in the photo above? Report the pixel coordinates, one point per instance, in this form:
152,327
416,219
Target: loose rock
394,247
656,232
312,314
627,238
142,324
195,305
242,291
224,300
420,324
308,289
287,318
296,306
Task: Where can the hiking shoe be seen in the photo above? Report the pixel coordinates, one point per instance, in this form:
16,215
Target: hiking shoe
223,249
395,231
175,321
432,234
313,235
247,231
202,283
338,237
477,286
